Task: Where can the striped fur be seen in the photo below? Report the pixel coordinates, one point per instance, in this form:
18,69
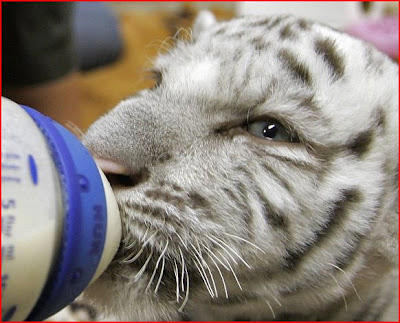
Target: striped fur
221,224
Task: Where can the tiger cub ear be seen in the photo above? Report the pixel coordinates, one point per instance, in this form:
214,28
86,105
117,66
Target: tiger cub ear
204,20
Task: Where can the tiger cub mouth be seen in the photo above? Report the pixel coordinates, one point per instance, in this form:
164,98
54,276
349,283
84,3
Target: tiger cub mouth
163,252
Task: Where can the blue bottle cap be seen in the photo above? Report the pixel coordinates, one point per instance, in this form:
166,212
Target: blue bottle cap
85,219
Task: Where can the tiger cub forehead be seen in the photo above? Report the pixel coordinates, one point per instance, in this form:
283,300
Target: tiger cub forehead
308,74
197,76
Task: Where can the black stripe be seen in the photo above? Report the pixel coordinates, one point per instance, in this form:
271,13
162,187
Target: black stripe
220,31
160,195
160,218
345,259
245,82
154,211
197,201
278,178
381,119
268,22
164,158
292,162
277,21
260,23
327,49
361,144
336,216
177,188
354,262
310,104
296,68
273,216
245,206
304,24
267,92
287,33
259,44
237,55
237,35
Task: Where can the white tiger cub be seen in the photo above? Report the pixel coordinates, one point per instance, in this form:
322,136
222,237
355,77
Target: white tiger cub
257,180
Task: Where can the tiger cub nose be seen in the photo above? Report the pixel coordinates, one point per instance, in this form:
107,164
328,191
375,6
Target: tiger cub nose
119,175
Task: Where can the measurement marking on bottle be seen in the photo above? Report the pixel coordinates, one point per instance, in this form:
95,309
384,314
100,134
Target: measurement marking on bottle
7,225
4,281
11,167
8,203
7,252
10,179
10,156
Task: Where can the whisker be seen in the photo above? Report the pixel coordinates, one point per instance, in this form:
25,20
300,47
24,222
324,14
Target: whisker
348,278
222,277
126,239
231,269
212,280
152,277
244,240
123,261
345,302
210,252
155,268
145,234
180,238
161,275
74,129
223,248
140,251
187,292
183,267
176,36
229,247
276,300
163,44
343,296
270,307
203,275
130,245
141,271
207,267
177,281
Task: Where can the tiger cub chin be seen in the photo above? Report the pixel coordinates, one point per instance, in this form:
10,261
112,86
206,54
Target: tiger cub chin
257,180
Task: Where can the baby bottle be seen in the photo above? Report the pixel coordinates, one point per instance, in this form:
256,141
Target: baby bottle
60,225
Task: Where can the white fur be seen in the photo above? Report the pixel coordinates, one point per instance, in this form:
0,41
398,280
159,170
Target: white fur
207,192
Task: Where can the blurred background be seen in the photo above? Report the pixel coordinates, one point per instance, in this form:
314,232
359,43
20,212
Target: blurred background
111,44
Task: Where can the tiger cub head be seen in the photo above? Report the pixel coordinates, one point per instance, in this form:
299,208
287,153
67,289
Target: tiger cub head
257,178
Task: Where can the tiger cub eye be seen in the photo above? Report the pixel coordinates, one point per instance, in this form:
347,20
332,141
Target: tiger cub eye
272,130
